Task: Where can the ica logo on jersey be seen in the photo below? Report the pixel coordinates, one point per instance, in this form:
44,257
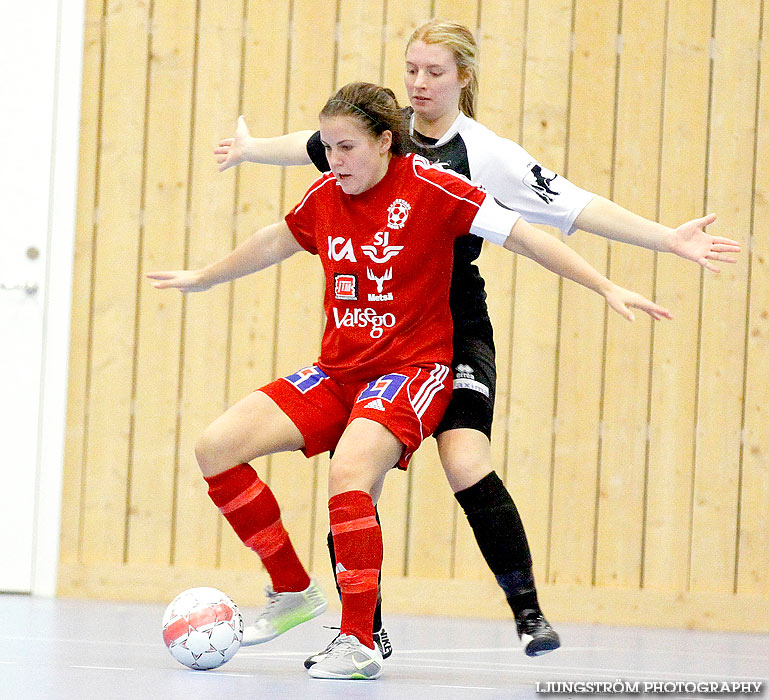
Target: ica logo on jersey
341,249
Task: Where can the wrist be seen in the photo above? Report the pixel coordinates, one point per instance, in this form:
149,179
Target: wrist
667,240
605,287
250,149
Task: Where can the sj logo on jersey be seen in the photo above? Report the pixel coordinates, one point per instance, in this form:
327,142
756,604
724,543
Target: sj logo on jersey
381,239
345,287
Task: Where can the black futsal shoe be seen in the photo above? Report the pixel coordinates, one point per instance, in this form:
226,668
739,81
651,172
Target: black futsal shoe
383,642
535,633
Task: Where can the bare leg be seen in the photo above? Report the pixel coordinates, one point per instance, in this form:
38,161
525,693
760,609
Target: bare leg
255,426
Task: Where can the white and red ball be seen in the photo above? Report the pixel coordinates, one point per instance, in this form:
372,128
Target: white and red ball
202,628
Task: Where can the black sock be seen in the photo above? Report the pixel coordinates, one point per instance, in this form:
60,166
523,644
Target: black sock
502,540
378,610
520,591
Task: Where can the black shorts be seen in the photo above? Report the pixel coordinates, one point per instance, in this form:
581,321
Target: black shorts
475,379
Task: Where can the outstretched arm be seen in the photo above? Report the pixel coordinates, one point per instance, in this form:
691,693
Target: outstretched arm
557,257
689,241
289,149
268,246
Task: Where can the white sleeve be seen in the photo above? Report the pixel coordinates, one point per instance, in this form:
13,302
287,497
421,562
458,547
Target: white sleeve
509,173
494,221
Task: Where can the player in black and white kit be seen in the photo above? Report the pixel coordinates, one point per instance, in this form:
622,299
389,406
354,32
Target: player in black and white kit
441,80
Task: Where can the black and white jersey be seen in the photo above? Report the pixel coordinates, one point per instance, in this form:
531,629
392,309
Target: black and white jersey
508,173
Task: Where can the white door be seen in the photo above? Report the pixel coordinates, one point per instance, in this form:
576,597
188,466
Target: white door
32,189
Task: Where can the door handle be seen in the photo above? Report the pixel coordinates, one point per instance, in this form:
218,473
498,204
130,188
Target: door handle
29,288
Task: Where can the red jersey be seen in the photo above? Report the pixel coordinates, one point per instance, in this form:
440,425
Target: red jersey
387,255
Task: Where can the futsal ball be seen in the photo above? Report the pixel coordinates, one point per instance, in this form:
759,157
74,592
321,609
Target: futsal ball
202,628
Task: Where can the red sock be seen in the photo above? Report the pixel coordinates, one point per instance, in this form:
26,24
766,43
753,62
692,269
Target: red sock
250,507
358,548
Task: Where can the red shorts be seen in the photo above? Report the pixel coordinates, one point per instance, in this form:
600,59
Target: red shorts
409,403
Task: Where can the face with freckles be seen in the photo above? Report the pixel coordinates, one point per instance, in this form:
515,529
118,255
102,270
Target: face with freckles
357,158
433,82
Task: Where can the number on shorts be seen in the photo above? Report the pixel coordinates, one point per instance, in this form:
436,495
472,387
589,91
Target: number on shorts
386,387
306,378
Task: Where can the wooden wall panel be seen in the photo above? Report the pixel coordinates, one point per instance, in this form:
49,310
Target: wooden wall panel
673,392
582,315
80,321
634,452
457,11
114,286
153,458
753,543
624,420
724,301
205,349
359,48
537,291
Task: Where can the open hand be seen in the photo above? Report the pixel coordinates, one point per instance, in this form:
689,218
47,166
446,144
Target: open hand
622,300
691,242
183,280
230,152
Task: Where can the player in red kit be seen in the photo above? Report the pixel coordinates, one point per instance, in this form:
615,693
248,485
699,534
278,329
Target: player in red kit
383,225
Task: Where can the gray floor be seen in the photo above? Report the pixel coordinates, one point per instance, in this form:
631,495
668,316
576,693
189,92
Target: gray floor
73,650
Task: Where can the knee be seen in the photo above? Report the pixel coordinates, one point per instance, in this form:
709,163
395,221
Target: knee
344,475
206,449
465,462
340,477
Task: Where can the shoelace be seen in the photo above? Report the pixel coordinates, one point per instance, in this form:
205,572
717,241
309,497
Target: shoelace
531,622
343,644
272,599
331,644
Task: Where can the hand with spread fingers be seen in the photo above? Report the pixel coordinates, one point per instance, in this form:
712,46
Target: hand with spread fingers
691,242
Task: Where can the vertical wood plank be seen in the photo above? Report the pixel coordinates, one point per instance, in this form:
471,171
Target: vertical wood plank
115,274
580,348
293,478
674,363
500,38
535,328
431,516
259,203
74,459
625,404
753,561
360,41
153,454
457,11
723,320
210,236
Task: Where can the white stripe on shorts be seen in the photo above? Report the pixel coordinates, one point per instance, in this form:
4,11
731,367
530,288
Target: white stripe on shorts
429,389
